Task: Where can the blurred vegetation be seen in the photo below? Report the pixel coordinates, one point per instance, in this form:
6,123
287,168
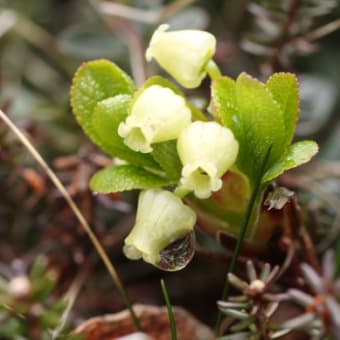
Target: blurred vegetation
42,42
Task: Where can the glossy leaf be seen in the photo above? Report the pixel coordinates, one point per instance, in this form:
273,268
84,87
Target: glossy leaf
285,90
93,82
262,125
249,109
224,105
106,117
297,154
125,177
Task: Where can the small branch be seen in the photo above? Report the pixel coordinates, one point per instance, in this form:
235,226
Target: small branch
305,238
136,53
130,13
7,21
311,184
110,267
292,14
146,16
32,33
323,30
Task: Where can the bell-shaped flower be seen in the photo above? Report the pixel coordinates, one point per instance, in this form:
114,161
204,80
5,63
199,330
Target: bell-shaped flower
183,54
157,115
162,218
207,150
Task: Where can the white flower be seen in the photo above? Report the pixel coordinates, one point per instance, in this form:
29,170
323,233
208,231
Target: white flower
183,54
19,286
207,150
157,115
162,218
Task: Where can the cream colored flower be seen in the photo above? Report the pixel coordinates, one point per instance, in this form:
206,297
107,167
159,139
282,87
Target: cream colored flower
157,115
162,218
183,54
207,150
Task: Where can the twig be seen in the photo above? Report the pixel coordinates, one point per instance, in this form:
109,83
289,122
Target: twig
33,33
136,52
146,16
110,267
292,14
310,184
7,21
323,30
305,238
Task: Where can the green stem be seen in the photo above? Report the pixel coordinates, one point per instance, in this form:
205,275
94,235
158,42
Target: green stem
244,229
170,312
213,70
181,192
96,243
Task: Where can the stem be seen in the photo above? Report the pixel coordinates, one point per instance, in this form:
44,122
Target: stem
170,312
110,267
323,30
213,70
181,192
153,16
243,233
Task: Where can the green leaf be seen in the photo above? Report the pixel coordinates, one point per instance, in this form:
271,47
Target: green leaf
125,177
106,117
297,154
38,268
262,125
249,109
52,318
285,89
165,154
93,82
224,105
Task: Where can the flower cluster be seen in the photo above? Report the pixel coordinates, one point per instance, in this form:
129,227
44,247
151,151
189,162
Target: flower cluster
206,149
171,149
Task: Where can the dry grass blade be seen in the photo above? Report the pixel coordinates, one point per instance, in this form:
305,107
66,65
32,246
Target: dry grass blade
110,267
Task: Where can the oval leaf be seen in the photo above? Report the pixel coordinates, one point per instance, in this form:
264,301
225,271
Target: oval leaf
285,90
125,177
249,109
93,82
297,154
262,123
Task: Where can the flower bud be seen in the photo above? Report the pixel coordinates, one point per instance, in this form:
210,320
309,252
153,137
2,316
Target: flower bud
162,218
157,115
183,54
207,150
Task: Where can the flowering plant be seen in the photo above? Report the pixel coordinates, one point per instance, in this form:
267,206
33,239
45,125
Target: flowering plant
181,158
